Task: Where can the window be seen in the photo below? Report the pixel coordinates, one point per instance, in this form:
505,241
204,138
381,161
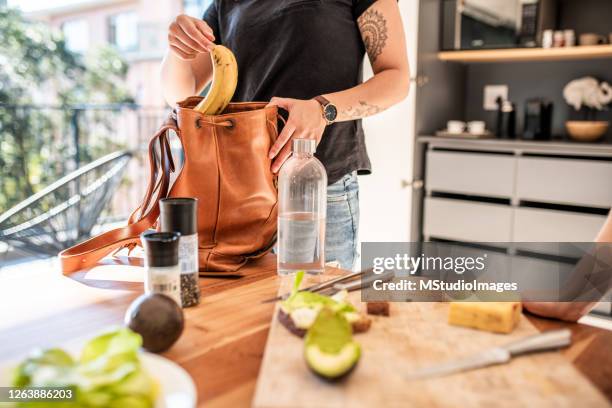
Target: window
76,34
123,31
196,8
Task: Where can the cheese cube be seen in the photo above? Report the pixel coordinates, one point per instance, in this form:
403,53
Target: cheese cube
498,317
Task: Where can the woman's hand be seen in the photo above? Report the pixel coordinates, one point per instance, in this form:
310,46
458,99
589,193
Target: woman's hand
568,311
189,36
305,122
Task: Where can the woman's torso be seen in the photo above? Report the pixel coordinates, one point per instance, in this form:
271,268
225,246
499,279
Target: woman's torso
298,49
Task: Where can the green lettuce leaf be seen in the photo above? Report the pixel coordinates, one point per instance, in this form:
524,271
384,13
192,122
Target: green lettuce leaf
56,359
107,374
312,300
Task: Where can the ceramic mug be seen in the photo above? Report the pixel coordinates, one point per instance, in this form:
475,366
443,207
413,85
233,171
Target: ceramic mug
476,127
592,39
455,126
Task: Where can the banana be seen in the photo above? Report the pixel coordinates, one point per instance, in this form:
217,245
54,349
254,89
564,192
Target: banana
223,84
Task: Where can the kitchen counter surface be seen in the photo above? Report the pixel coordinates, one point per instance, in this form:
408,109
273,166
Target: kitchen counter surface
520,146
224,338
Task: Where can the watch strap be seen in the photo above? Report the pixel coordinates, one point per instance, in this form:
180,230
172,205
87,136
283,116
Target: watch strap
322,100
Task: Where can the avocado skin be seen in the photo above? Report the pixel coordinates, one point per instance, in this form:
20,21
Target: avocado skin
158,319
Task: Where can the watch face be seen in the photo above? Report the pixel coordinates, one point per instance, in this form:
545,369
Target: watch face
330,112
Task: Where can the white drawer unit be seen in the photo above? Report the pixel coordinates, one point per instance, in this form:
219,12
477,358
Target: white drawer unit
543,225
470,173
467,221
565,181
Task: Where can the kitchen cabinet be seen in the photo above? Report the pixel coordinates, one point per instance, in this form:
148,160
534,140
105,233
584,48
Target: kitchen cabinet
470,173
571,181
460,220
550,225
515,191
496,190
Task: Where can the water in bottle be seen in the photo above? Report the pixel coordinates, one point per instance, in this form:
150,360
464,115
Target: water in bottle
302,200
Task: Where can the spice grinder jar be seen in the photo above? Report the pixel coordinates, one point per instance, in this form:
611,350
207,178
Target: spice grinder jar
181,215
162,271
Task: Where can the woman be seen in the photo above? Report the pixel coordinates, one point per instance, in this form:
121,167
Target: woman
304,56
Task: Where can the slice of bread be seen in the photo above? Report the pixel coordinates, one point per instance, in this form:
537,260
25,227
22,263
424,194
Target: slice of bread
289,324
360,325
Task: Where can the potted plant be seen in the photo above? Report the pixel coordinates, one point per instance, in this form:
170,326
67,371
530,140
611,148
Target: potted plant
588,96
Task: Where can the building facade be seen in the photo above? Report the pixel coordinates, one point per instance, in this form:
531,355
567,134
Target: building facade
136,28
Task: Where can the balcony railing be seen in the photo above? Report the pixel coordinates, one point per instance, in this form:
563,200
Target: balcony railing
41,144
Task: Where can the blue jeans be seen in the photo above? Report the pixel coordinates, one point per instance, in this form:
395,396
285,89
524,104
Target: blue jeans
341,230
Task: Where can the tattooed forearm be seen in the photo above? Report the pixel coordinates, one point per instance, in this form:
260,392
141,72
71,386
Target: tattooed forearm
373,27
361,111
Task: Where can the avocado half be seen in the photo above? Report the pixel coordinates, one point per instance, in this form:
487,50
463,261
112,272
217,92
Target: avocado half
333,366
329,348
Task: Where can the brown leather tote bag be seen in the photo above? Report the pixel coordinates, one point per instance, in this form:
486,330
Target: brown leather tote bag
226,167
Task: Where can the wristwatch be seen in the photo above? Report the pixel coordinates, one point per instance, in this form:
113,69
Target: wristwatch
330,112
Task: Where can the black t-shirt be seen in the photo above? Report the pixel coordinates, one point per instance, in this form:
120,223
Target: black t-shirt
299,49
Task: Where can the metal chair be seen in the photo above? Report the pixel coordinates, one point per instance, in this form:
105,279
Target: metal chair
65,212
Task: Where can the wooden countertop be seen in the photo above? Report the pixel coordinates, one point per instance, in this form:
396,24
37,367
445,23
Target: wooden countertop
224,338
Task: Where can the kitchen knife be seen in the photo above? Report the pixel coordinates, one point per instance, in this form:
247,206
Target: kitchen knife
318,286
552,339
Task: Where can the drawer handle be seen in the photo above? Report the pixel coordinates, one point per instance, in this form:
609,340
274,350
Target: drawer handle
415,184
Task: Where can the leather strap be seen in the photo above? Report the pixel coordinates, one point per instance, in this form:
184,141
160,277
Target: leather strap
322,100
274,131
88,253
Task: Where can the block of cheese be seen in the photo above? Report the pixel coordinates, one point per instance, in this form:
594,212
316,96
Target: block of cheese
498,317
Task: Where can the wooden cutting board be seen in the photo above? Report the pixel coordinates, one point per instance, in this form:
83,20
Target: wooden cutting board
417,335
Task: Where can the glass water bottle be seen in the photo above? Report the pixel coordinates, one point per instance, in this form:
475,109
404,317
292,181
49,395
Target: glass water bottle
302,200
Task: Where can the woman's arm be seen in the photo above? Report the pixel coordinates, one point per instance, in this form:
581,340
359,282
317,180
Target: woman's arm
383,35
605,234
186,67
571,311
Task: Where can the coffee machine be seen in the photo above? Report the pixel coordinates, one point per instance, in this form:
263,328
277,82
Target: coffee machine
538,119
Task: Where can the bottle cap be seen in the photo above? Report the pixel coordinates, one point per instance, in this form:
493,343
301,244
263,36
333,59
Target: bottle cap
179,215
161,248
304,146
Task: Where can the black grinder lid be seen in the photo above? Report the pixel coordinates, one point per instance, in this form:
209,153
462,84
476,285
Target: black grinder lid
179,215
161,248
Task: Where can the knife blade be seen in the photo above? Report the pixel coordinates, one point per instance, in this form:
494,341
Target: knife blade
318,286
365,282
549,340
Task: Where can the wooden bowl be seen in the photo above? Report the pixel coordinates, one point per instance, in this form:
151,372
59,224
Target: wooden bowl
586,131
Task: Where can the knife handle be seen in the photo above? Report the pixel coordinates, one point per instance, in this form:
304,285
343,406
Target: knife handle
544,341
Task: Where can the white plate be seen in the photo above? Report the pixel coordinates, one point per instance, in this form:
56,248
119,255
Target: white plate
177,387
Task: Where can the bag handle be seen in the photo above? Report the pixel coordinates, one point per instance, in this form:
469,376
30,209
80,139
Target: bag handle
273,128
88,253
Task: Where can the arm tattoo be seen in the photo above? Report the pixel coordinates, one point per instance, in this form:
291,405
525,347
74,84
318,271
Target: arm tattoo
364,109
373,28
